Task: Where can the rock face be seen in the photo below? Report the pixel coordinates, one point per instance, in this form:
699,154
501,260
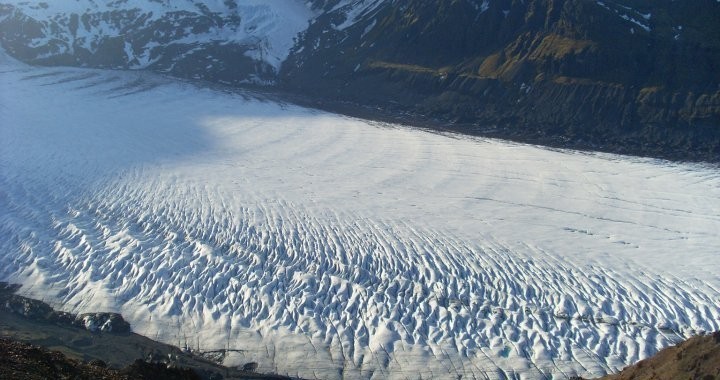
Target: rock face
104,322
40,311
627,76
696,358
24,361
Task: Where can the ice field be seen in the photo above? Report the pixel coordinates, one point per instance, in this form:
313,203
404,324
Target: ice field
325,246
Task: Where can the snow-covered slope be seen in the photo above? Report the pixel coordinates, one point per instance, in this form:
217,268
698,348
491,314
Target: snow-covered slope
202,35
325,246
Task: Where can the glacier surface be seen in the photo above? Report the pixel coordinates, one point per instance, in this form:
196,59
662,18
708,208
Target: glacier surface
325,246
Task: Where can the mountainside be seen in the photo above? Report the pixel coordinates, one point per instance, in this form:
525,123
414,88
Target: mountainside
69,350
225,41
21,361
628,76
695,358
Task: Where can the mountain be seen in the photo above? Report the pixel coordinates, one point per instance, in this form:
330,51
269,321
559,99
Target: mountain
225,41
695,358
631,76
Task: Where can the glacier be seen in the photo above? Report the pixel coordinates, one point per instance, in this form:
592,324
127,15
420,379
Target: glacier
325,246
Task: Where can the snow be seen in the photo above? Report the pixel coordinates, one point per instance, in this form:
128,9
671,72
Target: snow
626,17
274,24
355,10
636,22
483,7
325,246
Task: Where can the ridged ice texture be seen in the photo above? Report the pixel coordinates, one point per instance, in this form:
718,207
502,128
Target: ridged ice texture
324,246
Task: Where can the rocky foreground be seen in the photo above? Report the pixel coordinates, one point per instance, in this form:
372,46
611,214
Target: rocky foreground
25,361
696,358
38,342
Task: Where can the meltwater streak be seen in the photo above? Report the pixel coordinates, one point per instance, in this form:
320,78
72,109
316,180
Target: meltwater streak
325,246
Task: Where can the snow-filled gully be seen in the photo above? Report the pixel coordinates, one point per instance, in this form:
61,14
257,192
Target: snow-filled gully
329,247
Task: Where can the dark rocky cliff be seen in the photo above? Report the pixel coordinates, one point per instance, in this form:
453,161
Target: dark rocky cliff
636,77
695,358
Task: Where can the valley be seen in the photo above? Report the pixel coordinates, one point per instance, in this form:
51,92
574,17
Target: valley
325,246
